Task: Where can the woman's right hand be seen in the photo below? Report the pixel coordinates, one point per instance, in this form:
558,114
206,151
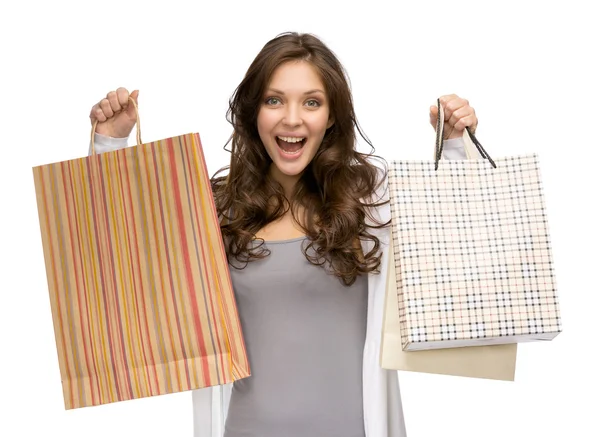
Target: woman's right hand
115,115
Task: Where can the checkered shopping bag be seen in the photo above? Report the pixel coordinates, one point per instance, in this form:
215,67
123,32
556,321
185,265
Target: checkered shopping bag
472,250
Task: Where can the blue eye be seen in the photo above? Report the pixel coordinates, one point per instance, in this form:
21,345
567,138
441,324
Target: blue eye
313,103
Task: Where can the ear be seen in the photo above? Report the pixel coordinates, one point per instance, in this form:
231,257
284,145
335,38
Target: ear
330,122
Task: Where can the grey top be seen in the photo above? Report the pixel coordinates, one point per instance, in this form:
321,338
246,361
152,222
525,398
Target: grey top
304,332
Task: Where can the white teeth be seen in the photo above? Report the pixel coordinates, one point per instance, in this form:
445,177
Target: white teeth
289,153
291,139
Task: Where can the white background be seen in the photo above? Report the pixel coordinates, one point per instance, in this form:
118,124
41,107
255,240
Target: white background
530,70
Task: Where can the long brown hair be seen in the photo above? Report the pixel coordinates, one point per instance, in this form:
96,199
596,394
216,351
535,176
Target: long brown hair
335,190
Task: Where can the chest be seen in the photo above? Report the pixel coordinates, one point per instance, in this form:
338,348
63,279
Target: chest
284,289
285,228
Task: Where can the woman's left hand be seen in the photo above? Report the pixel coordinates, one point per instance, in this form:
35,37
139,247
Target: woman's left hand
458,114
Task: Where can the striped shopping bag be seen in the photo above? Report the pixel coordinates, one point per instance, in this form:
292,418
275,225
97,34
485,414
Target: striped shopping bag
140,293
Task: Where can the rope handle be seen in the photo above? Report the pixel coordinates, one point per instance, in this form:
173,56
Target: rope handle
468,137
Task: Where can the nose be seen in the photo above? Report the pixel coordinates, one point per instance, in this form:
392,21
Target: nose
292,116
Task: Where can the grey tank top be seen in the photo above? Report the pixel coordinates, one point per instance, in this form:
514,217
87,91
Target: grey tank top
304,332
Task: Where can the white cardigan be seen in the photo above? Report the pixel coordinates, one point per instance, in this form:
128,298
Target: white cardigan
382,406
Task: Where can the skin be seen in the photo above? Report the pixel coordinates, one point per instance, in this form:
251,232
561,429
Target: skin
116,118
294,104
458,114
286,110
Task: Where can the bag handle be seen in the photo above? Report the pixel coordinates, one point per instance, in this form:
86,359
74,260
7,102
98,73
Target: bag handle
469,139
137,123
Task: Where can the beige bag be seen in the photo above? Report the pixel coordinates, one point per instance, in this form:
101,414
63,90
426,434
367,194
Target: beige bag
490,362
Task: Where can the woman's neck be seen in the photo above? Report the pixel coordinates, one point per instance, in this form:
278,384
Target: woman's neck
287,182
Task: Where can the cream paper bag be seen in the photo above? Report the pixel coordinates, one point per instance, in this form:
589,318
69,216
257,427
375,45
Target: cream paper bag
490,362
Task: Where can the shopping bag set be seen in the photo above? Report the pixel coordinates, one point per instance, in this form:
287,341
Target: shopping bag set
471,266
142,302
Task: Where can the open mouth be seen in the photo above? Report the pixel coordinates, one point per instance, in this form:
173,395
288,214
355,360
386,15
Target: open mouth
290,145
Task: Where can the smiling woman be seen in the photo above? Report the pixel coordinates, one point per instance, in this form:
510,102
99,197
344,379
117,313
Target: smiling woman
304,220
294,169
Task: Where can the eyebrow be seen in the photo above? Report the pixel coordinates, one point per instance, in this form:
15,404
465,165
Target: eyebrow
306,93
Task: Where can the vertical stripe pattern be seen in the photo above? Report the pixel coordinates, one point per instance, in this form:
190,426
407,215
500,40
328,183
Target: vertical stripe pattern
139,286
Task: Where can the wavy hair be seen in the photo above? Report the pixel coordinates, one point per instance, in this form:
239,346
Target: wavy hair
336,189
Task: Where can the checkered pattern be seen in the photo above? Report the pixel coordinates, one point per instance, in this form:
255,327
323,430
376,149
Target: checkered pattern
472,253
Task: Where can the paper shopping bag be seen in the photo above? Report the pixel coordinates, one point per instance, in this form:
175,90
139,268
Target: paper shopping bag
472,251
140,293
490,362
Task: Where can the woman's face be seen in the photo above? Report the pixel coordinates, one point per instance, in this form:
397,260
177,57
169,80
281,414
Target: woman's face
293,118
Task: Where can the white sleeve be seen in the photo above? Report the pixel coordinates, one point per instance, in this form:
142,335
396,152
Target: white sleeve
210,406
103,144
454,149
202,412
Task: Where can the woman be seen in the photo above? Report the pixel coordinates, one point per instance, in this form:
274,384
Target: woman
304,221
